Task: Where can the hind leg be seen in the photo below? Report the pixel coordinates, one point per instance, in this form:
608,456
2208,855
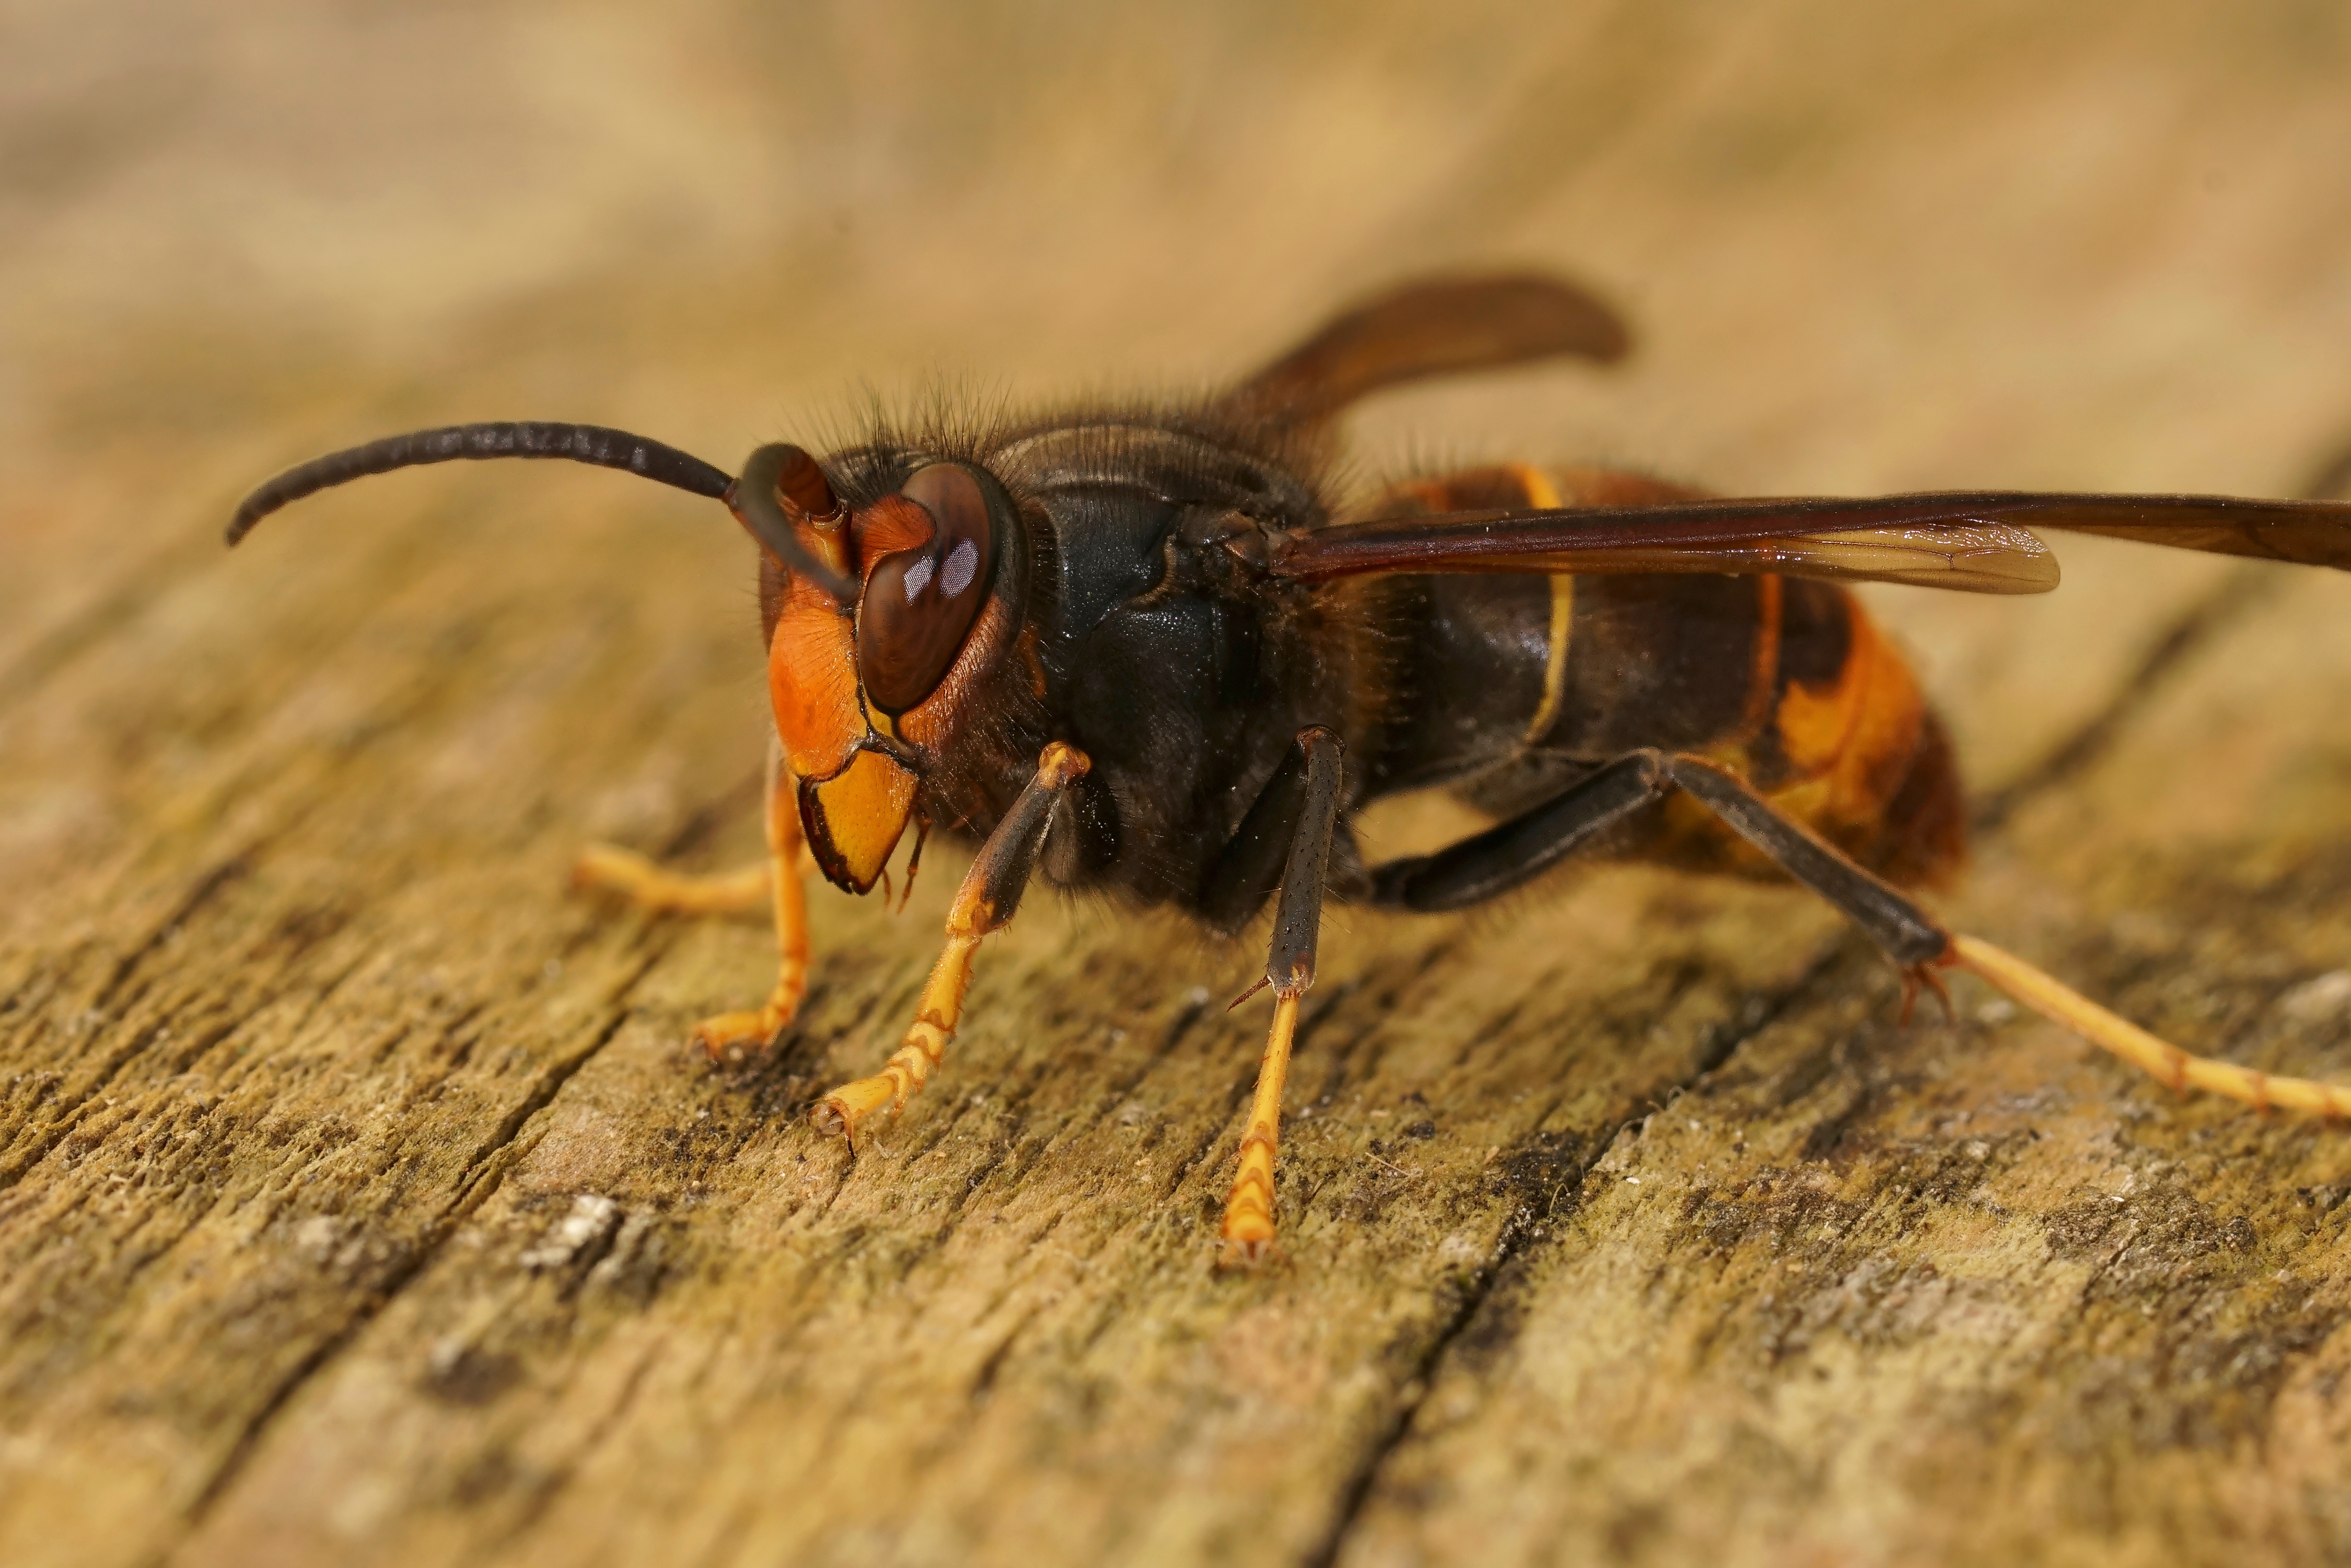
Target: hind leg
1503,857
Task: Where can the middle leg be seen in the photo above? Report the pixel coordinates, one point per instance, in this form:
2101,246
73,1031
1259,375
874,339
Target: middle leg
1248,1229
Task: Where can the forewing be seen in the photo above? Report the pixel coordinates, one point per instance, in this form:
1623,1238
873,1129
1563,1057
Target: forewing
2307,533
1974,541
1437,327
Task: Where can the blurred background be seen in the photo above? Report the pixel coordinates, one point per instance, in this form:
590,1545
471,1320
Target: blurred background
1862,247
1988,245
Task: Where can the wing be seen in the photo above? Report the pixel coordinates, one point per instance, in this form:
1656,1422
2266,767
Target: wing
1433,327
1970,540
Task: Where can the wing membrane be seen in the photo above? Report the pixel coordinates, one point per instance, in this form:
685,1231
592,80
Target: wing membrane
1972,558
1970,540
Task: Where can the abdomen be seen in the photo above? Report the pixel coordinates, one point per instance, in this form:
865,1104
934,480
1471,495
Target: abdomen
1509,687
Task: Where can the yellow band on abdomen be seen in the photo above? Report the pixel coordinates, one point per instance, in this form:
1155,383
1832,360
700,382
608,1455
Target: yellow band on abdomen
1541,492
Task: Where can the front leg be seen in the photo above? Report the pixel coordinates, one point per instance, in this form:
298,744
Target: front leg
775,880
786,851
990,892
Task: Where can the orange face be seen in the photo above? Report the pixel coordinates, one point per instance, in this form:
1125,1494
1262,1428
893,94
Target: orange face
866,694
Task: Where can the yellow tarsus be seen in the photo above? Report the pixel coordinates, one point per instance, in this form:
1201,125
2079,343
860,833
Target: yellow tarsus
901,1077
644,883
1006,859
2159,1058
611,869
777,880
1248,1211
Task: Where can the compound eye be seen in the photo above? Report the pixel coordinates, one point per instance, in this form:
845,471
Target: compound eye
919,604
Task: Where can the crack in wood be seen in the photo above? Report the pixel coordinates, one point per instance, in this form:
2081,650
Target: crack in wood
481,1178
51,651
205,888
2193,631
543,1497
1522,1226
2239,594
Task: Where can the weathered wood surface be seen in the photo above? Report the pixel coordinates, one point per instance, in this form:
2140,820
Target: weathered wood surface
359,1197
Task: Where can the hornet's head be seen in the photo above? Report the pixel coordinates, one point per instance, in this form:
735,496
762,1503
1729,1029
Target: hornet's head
881,618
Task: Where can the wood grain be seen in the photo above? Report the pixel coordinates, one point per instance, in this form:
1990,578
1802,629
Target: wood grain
360,1199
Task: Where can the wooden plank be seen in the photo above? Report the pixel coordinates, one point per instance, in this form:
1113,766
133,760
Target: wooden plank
1969,1294
360,1197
